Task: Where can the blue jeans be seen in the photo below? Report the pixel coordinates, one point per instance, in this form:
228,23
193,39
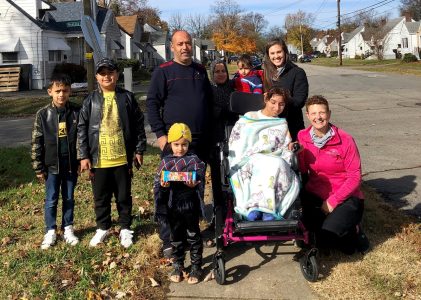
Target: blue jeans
67,181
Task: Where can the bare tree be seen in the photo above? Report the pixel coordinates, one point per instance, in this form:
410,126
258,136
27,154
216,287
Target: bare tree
299,18
378,36
275,32
197,25
254,23
176,22
411,8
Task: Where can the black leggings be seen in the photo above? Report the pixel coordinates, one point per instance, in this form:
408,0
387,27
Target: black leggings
185,228
337,229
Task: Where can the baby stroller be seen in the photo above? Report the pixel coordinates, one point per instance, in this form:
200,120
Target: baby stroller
231,228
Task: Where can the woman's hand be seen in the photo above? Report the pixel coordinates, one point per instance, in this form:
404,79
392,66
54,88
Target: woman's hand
326,207
295,147
191,183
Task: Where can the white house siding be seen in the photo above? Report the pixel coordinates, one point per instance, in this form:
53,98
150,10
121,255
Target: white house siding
30,6
160,54
356,46
14,24
394,38
125,41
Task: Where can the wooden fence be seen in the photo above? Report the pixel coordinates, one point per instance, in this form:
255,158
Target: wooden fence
9,79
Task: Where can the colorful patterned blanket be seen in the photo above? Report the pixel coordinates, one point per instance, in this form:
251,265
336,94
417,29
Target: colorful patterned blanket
261,175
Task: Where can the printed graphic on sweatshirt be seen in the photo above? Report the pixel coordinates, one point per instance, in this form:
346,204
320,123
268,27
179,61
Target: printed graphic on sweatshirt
62,130
111,140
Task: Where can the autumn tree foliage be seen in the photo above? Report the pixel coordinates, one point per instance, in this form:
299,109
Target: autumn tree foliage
234,32
299,29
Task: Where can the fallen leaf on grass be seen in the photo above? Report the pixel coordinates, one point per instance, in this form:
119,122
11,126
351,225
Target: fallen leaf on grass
141,210
154,283
113,265
6,240
120,294
92,296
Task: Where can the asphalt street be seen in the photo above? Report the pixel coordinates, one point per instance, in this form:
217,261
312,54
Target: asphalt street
382,111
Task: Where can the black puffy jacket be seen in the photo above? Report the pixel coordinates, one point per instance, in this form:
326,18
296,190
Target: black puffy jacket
131,120
44,152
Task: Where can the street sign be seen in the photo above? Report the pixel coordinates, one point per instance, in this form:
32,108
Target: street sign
92,37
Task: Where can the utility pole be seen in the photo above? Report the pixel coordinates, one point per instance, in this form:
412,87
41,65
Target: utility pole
302,46
89,55
339,33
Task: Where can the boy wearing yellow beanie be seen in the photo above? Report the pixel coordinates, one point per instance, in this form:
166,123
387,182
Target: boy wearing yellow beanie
180,204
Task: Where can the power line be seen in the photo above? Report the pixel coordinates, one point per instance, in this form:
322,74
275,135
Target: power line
380,4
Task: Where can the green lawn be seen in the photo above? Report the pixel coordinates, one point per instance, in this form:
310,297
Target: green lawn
80,272
390,66
24,107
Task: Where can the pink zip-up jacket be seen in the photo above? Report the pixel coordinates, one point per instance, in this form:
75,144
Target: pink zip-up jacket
334,170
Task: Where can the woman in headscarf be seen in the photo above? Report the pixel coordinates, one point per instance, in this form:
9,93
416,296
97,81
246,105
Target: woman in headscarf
222,89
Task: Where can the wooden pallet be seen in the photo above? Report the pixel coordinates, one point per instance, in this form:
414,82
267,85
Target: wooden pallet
9,79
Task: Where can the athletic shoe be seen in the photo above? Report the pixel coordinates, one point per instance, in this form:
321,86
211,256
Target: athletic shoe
254,215
126,238
268,217
69,235
49,239
99,237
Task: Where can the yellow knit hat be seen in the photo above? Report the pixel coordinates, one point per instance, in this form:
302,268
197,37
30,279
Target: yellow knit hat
178,131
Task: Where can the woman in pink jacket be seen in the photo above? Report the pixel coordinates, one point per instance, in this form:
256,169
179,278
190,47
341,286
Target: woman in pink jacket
332,198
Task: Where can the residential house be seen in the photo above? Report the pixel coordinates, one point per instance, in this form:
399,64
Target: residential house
160,40
414,40
38,36
131,32
204,51
354,44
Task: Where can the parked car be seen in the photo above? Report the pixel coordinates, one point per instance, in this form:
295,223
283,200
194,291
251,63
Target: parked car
293,57
256,63
305,58
232,58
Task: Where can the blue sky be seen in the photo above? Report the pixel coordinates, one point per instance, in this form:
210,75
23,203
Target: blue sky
275,10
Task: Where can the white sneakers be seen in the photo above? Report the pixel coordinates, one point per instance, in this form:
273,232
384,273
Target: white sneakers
49,239
99,237
69,235
126,238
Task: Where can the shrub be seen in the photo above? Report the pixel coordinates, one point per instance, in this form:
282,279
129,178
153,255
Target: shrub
76,72
409,57
357,56
322,55
333,53
126,63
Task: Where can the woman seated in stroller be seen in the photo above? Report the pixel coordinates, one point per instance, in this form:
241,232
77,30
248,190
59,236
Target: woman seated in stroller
260,157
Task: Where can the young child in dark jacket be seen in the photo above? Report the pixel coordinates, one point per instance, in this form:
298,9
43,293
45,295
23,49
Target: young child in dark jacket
54,157
180,203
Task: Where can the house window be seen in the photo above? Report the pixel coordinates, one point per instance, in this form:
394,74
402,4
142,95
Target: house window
361,48
54,55
405,43
9,57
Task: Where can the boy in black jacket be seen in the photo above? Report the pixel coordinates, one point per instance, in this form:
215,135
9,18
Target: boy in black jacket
111,137
54,157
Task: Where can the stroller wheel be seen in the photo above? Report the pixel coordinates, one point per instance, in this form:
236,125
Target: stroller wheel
219,270
308,266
